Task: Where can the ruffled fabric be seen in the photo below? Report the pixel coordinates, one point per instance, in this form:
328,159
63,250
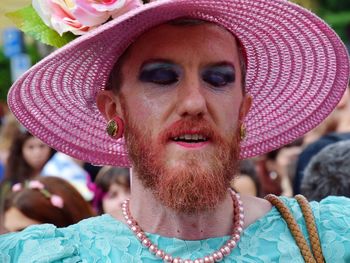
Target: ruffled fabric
103,239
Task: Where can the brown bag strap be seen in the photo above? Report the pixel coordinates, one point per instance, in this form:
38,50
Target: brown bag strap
294,228
311,228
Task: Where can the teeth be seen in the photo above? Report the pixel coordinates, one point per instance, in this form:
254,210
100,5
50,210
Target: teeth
190,137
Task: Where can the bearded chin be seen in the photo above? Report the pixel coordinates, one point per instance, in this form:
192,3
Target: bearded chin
198,184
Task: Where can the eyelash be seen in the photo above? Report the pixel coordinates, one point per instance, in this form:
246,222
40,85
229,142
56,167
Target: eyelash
218,79
168,76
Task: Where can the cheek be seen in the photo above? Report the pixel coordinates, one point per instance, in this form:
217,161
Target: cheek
111,204
146,112
27,154
227,113
45,153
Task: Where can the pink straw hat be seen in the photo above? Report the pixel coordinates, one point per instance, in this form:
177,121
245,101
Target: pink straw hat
297,71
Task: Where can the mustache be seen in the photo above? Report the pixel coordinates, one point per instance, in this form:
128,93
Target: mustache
190,126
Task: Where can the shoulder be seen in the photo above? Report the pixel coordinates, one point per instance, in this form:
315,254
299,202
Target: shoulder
332,206
332,217
55,244
255,209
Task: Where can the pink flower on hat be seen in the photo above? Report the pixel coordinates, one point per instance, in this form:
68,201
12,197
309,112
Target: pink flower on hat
16,187
80,16
96,12
36,185
57,14
56,201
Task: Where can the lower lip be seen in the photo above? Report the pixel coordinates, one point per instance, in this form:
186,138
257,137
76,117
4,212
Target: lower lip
192,145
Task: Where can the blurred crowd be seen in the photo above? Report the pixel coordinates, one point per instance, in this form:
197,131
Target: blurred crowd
41,185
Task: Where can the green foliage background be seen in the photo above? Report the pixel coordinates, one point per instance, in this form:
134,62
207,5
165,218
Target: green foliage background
5,72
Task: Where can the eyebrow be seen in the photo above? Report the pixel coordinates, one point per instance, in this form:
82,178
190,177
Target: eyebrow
171,62
220,64
157,60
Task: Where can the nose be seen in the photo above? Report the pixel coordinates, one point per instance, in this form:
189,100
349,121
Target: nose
191,99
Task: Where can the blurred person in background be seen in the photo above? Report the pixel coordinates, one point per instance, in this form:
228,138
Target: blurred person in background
70,169
44,200
112,189
276,169
26,159
10,128
339,120
246,181
179,96
328,172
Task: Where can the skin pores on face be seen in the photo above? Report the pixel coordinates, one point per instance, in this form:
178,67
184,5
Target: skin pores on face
15,220
35,152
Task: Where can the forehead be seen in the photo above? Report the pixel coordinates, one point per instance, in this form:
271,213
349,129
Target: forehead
32,141
173,40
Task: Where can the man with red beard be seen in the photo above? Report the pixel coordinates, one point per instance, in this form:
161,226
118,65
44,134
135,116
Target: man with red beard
184,98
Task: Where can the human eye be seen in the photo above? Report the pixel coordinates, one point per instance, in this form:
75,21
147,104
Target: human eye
112,194
160,73
219,75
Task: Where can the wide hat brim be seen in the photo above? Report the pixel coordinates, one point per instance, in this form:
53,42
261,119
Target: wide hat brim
297,71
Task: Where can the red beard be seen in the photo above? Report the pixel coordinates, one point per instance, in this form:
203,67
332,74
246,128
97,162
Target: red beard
198,185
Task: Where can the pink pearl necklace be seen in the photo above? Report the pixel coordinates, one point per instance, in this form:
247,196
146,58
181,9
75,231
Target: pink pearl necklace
217,256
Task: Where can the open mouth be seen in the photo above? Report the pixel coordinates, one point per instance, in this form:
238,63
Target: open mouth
190,138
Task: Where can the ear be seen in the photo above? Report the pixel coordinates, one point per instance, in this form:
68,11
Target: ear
245,106
107,104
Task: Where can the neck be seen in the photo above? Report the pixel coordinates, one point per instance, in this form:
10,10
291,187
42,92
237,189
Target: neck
153,217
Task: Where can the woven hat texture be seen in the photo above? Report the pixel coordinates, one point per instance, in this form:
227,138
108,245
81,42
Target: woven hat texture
297,71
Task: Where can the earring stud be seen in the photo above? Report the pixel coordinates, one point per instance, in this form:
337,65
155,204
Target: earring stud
243,132
115,128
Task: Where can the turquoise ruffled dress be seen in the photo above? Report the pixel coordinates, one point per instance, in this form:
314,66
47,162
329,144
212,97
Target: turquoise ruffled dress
103,239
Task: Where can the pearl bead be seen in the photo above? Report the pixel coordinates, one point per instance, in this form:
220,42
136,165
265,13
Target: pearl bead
153,249
209,259
236,237
168,258
160,253
146,242
140,236
130,222
225,250
135,229
217,256
231,243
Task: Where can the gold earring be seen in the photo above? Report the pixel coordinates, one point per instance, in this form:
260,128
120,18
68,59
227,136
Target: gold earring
112,128
242,132
115,127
